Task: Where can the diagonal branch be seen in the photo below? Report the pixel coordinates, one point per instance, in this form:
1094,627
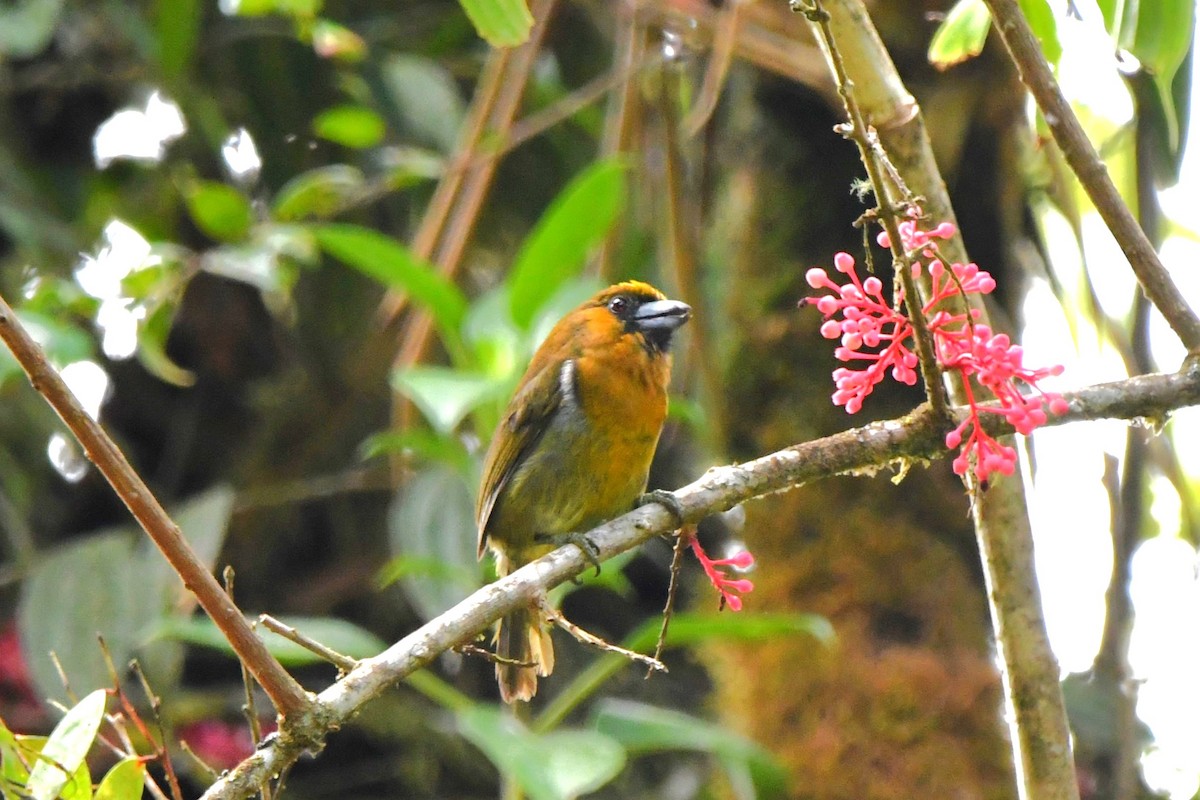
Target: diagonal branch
916,437
1085,162
287,695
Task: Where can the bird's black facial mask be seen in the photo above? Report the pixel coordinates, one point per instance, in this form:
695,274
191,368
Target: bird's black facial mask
654,319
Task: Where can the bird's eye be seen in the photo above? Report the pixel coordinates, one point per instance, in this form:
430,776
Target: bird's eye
618,305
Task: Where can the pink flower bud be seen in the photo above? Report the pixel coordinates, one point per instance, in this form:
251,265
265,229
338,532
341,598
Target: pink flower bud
831,329
873,286
816,278
843,262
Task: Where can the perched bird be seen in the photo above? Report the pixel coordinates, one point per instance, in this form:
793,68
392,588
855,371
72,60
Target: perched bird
573,448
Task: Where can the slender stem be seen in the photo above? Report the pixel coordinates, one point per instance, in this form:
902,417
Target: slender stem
287,695
1085,161
859,132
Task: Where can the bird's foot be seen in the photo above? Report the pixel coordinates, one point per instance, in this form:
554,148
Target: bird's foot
580,540
667,500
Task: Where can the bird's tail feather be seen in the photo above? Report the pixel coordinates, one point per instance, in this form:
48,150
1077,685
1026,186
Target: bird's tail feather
521,637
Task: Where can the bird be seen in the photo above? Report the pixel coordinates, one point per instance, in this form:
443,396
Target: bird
573,450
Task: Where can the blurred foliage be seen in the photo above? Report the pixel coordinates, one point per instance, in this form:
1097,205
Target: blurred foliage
247,256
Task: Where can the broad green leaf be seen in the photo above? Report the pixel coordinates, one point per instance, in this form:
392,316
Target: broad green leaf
432,521
422,445
27,26
152,348
1161,41
559,765
961,35
85,588
219,210
426,99
116,584
685,629
446,396
177,27
66,748
298,9
123,781
692,628
394,265
352,126
501,23
336,634
1045,27
555,250
14,775
319,193
641,728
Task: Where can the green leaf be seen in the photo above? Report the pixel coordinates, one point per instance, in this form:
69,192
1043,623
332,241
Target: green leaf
432,522
422,445
394,265
693,628
1159,35
219,210
352,126
123,781
177,26
559,765
66,748
74,593
961,35
152,348
426,99
555,250
1045,27
641,728
27,26
445,395
297,9
344,637
319,193
501,23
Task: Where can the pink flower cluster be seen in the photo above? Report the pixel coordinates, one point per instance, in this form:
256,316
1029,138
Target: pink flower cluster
729,588
876,332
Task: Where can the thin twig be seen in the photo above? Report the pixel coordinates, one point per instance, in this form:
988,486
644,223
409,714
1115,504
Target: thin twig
917,437
583,637
342,662
1093,175
682,537
725,36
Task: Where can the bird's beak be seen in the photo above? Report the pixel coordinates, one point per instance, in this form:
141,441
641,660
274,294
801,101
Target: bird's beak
661,315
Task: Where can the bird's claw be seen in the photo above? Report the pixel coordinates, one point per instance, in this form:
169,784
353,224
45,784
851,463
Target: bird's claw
580,540
587,547
667,500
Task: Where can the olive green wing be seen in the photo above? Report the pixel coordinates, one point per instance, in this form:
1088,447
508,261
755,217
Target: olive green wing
525,420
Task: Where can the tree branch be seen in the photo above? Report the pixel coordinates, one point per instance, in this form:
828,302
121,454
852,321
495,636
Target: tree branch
1085,162
916,437
288,696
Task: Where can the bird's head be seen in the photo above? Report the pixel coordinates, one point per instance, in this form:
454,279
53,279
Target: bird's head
633,308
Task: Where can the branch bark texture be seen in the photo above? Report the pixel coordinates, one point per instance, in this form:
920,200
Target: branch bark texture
914,438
